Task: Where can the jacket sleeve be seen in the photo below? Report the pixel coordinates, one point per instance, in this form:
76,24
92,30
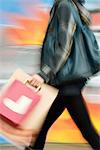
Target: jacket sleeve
62,44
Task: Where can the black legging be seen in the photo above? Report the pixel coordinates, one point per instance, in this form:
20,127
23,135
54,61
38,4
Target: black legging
77,109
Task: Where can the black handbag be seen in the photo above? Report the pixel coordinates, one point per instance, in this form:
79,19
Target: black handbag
89,44
84,59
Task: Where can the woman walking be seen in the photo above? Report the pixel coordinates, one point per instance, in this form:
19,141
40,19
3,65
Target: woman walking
69,57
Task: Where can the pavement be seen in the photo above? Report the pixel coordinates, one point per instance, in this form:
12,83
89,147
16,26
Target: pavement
51,146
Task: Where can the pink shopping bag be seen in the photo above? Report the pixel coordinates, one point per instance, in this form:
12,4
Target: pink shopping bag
31,122
17,102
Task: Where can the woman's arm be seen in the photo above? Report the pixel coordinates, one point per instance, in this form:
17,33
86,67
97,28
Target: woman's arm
61,44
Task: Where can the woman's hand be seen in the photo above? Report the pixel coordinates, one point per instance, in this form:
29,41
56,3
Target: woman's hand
36,81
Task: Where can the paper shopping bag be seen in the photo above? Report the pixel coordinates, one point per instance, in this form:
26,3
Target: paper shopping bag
34,120
17,102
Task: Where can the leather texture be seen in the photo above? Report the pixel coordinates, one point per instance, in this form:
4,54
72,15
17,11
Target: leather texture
84,59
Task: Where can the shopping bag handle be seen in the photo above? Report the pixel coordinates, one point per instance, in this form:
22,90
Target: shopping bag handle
37,88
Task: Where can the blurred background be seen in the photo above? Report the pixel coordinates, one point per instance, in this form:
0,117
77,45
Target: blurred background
23,24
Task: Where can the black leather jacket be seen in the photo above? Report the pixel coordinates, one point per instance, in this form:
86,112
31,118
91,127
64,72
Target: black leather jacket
59,39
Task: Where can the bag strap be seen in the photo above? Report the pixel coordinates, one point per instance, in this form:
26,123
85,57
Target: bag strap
76,15
84,13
